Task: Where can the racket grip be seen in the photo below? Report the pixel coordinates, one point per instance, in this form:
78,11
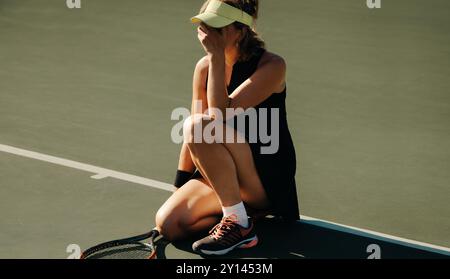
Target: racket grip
152,255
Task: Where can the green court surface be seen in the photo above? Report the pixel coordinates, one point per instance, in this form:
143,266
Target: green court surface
368,108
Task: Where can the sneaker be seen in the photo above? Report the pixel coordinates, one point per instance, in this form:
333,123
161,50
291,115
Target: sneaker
226,236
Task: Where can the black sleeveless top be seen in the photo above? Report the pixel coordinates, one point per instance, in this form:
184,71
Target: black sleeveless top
277,170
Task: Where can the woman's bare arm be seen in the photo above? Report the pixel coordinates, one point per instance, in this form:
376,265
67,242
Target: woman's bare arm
198,106
217,91
267,79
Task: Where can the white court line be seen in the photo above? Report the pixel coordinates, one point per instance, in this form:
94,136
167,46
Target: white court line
100,173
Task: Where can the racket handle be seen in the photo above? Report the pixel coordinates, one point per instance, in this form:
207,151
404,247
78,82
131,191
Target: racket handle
152,255
156,232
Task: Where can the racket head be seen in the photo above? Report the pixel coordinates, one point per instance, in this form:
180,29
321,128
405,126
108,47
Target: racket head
136,247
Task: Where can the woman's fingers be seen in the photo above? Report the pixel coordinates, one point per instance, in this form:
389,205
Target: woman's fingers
208,30
202,36
201,30
211,40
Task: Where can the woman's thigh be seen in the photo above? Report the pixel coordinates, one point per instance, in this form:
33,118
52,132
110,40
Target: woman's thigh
251,188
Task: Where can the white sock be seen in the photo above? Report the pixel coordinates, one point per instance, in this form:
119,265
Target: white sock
239,211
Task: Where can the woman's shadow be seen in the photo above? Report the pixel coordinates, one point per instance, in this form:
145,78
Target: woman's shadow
310,239
277,239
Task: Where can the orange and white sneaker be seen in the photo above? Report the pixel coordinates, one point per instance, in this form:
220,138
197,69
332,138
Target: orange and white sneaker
226,236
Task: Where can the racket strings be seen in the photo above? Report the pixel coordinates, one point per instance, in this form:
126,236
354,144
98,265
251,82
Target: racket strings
125,251
127,248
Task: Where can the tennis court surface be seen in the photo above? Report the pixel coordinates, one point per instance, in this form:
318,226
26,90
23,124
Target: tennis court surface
86,97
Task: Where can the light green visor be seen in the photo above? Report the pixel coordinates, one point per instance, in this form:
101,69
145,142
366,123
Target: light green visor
219,14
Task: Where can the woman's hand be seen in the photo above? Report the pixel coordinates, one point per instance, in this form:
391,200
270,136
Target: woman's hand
211,40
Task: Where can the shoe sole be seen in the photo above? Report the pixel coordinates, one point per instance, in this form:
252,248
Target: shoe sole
244,244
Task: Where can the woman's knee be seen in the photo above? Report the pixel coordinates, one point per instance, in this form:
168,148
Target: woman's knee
201,129
167,223
173,223
193,127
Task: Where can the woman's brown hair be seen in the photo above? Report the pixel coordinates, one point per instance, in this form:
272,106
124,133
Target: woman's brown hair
251,40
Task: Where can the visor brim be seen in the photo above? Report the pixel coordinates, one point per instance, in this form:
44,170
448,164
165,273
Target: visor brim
212,20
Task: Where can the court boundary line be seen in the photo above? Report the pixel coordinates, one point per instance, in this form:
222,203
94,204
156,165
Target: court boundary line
98,172
101,173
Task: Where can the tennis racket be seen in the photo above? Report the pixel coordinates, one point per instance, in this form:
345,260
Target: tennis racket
136,247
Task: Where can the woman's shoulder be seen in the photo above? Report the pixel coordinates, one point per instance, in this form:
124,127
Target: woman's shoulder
201,72
272,59
202,64
274,63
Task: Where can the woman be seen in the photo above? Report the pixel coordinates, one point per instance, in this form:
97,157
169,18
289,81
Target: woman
222,182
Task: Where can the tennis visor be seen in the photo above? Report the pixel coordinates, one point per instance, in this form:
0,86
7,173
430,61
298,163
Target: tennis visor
219,14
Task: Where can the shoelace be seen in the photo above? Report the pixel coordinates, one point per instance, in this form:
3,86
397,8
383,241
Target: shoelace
219,230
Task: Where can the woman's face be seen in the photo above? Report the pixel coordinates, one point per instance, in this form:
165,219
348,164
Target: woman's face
231,35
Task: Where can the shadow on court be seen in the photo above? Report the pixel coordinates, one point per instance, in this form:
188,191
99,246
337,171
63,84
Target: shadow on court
306,239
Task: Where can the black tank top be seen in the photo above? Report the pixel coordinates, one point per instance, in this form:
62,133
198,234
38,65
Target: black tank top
242,70
277,170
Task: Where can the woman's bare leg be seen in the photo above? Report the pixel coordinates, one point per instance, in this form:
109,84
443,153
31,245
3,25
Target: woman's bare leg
227,166
192,208
198,205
